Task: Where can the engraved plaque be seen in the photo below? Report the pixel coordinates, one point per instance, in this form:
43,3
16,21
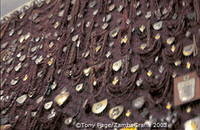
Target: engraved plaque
186,90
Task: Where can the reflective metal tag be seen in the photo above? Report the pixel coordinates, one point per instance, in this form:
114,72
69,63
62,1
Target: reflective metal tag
186,90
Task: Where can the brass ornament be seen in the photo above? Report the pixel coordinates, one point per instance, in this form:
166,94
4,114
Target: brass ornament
158,25
117,65
143,46
114,32
115,80
61,98
87,71
115,112
188,50
135,68
100,106
48,105
170,40
124,39
21,99
68,120
79,87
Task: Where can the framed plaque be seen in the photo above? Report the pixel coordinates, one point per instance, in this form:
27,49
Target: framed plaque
186,88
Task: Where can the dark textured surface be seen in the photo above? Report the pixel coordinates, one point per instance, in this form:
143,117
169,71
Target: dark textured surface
157,88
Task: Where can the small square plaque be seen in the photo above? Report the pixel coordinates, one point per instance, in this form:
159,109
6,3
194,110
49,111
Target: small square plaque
186,88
